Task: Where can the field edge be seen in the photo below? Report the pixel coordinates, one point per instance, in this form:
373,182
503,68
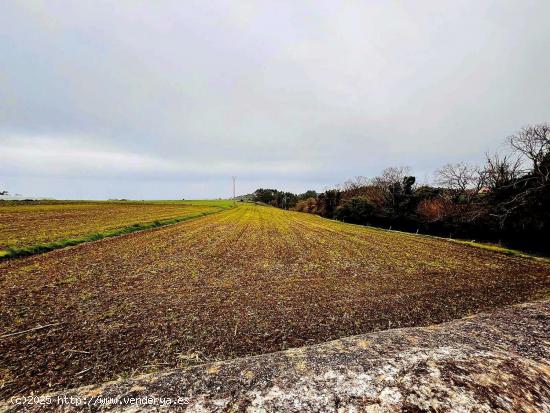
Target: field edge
472,243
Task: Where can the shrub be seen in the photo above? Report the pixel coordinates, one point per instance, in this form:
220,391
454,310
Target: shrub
357,210
307,205
436,209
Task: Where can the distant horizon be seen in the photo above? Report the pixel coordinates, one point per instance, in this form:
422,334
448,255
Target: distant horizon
238,194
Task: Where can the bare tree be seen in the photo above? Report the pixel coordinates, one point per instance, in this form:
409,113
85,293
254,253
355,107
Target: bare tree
382,186
392,175
501,171
533,143
357,186
379,190
462,179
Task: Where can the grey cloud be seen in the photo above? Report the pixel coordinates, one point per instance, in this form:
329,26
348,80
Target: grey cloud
293,94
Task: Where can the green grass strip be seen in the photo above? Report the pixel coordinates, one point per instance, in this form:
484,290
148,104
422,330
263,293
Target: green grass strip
54,245
500,250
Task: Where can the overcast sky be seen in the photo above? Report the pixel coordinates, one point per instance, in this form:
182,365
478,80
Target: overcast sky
169,99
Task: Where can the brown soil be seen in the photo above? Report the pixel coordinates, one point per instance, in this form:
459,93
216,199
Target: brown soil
245,281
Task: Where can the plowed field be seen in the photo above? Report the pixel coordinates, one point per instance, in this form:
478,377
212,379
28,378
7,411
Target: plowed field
244,281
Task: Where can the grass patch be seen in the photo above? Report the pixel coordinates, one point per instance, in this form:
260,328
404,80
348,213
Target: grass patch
50,246
501,250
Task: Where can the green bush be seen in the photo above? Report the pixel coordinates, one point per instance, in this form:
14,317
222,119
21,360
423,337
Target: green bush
357,210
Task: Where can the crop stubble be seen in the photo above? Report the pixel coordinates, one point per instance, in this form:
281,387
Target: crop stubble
245,281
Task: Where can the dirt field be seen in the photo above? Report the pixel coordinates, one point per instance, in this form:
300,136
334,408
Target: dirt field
248,280
27,224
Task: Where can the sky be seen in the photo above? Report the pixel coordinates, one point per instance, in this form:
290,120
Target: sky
169,99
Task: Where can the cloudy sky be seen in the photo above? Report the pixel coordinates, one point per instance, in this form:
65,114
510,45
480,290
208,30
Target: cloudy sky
169,99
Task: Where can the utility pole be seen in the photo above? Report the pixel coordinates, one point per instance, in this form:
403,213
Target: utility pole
234,177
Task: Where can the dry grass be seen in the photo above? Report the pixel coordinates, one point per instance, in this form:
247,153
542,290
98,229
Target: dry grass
248,280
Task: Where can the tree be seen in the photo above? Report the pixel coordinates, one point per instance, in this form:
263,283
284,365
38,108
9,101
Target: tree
501,171
285,200
408,183
533,143
307,205
463,180
327,202
279,199
307,195
267,196
357,186
524,197
387,187
357,210
436,209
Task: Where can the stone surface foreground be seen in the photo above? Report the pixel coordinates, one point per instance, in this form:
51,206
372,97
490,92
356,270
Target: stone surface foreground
489,362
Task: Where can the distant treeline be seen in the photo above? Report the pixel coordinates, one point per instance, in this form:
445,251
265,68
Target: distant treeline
506,200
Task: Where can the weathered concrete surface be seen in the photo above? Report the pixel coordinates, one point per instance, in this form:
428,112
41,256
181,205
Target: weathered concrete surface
489,362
